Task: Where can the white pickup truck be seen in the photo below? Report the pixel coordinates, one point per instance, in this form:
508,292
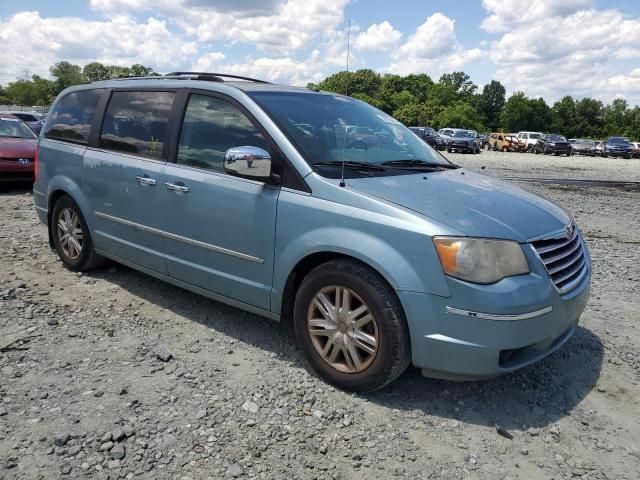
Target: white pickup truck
530,138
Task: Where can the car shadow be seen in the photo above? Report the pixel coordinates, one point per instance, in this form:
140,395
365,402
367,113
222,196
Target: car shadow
535,396
15,188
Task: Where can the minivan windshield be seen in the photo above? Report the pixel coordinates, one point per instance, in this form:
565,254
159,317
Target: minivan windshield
331,129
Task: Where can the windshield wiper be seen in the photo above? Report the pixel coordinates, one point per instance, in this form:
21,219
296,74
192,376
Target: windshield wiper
419,163
351,164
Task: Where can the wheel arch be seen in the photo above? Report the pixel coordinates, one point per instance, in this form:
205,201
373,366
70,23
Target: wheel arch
59,187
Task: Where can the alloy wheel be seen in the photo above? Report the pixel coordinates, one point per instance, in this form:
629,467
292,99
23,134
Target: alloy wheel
70,234
342,329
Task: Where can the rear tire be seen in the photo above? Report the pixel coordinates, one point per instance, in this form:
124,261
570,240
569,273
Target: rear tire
314,309
71,237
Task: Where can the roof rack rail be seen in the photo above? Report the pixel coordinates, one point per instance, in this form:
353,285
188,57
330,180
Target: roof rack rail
216,77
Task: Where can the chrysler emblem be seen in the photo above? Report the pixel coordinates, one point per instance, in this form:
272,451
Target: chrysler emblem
568,231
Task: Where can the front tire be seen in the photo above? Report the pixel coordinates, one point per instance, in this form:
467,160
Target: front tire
71,237
351,327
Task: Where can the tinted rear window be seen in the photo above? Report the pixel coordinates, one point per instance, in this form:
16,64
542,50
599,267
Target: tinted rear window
136,123
72,117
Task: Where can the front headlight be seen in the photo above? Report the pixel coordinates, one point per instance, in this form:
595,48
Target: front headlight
480,260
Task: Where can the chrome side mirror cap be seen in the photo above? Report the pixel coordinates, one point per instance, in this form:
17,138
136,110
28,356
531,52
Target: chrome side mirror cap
248,162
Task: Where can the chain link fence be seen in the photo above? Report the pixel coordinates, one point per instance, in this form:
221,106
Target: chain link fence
23,108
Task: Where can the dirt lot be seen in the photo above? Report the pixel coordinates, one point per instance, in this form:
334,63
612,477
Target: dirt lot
118,375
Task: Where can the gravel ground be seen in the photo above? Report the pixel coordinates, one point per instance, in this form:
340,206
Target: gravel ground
113,374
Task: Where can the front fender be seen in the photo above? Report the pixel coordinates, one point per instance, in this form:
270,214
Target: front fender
403,254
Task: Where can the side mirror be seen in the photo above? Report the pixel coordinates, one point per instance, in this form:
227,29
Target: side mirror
248,162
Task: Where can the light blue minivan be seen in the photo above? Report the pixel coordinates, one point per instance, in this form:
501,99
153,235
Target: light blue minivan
312,208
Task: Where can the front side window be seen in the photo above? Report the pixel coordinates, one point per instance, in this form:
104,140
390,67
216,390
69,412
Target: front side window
136,123
211,126
72,117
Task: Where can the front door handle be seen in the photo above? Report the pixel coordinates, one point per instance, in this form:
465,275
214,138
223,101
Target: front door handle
145,180
176,188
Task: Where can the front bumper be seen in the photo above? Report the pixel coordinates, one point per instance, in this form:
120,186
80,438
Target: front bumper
462,146
526,320
618,153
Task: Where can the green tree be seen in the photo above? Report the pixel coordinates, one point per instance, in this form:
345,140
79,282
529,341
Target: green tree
95,71
66,74
361,81
632,129
21,92
565,117
4,98
413,114
140,70
614,117
460,82
491,102
542,116
516,113
589,118
418,85
462,115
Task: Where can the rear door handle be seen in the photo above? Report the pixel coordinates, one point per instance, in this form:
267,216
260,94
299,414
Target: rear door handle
144,180
176,188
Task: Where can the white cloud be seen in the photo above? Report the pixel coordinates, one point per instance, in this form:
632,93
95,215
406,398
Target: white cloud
581,54
378,37
280,26
285,70
119,41
432,49
507,14
289,27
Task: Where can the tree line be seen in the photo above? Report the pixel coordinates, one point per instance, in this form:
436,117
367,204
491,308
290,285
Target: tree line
38,90
455,101
452,101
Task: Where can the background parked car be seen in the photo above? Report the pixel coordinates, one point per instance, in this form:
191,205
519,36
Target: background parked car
447,134
553,143
427,134
505,142
484,140
465,141
635,150
599,147
17,150
33,119
583,146
530,139
617,147
361,137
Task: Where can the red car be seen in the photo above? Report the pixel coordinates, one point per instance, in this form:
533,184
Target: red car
17,150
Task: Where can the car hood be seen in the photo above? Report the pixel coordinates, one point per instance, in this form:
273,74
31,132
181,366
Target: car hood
473,204
17,147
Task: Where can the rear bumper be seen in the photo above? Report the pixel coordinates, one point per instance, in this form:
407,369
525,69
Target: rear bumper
618,153
512,324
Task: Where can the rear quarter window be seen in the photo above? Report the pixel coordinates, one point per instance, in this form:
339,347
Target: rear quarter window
136,123
72,117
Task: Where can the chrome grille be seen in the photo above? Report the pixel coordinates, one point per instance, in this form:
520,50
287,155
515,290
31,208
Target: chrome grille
564,258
